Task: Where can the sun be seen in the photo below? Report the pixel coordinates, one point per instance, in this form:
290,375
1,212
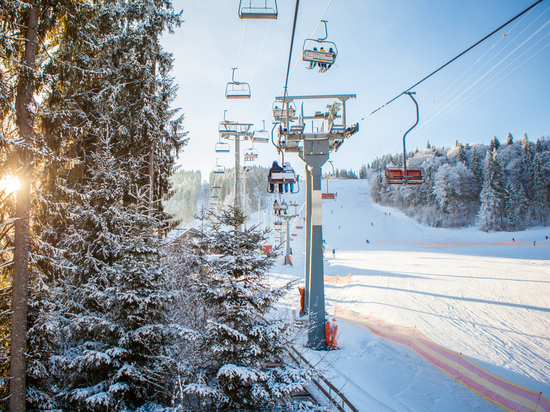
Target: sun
13,185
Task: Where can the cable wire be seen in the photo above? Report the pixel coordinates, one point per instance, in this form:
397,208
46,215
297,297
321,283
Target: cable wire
453,59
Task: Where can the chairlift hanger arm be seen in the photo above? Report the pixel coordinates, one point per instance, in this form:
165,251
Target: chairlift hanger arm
405,135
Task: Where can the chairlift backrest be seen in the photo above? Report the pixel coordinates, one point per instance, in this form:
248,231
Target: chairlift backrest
255,11
286,176
237,90
397,176
222,147
279,113
319,52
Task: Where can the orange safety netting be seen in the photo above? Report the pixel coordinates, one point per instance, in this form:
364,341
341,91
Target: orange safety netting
519,242
338,279
495,389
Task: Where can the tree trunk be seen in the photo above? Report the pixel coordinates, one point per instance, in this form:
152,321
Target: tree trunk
18,362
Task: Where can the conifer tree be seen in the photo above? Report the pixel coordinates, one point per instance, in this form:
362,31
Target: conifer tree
541,188
238,339
115,339
492,194
475,167
528,158
509,140
462,155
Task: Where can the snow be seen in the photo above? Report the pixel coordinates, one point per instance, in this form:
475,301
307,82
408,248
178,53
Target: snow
477,293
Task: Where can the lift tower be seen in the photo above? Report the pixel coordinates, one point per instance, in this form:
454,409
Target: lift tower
314,148
236,131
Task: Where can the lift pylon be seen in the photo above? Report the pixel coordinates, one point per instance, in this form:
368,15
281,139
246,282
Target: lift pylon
314,149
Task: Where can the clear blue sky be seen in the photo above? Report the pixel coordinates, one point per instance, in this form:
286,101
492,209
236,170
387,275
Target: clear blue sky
384,48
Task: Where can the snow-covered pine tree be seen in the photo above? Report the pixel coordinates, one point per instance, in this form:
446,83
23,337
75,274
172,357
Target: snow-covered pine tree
452,194
231,365
477,171
115,339
509,139
462,155
363,172
541,189
492,194
528,167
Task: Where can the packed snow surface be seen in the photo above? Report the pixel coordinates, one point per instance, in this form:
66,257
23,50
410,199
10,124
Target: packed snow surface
481,294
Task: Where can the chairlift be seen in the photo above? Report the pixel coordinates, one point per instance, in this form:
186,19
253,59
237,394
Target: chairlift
261,136
250,154
397,175
320,52
237,90
255,11
215,187
280,114
222,147
218,169
299,227
279,207
279,179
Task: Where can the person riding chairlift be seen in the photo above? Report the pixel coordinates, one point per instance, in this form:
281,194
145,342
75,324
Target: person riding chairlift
312,64
288,169
275,168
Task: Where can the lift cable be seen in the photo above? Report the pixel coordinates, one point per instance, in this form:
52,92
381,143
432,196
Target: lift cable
437,99
298,60
465,102
495,56
494,67
290,51
452,60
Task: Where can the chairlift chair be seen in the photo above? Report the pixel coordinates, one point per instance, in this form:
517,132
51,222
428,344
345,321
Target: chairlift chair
282,178
222,147
404,175
250,154
255,11
218,169
237,90
261,136
328,196
320,52
279,114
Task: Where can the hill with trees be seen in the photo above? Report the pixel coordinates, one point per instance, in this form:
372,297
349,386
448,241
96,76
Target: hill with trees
498,187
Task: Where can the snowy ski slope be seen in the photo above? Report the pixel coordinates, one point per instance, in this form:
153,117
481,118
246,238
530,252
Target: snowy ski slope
492,303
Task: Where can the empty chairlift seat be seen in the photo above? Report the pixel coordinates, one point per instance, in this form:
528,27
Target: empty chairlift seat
237,90
258,9
397,176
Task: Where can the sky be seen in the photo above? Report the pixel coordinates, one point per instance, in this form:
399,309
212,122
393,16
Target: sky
384,47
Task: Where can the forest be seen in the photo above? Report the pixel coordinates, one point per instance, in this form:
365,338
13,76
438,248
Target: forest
98,310
498,187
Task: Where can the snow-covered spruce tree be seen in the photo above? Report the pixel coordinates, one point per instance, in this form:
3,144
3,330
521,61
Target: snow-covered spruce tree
492,195
540,186
239,339
115,337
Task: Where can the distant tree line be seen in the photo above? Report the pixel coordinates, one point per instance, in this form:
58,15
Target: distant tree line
499,187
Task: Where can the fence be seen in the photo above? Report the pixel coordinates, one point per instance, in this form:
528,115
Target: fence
342,280
495,389
518,242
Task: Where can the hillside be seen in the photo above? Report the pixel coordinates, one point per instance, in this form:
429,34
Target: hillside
489,302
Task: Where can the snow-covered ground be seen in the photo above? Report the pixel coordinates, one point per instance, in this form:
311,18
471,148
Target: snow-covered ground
490,302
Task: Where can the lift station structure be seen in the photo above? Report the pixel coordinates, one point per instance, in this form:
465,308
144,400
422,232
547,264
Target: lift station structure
328,132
